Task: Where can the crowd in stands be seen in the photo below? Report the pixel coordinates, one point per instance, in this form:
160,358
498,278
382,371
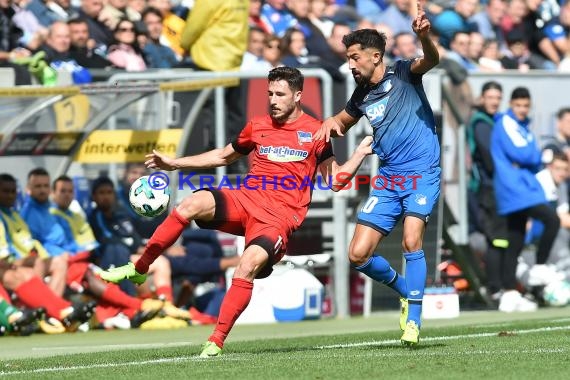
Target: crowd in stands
40,37
221,35
51,252
519,196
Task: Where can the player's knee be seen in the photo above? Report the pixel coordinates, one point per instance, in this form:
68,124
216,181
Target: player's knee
411,243
358,253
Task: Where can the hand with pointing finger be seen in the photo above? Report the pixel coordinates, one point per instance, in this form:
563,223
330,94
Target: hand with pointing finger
421,25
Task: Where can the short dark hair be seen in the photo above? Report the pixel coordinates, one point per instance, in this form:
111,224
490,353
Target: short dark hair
520,93
559,155
77,20
37,171
562,111
291,75
61,178
491,85
367,38
5,177
100,182
153,11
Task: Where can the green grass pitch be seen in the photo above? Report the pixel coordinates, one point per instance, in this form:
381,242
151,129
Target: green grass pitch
477,345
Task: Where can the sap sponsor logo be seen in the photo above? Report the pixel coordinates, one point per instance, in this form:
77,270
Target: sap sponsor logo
376,111
283,153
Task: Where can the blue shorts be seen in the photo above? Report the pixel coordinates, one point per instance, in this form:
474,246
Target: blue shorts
397,194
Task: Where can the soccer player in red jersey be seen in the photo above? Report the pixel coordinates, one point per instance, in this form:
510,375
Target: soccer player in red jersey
270,204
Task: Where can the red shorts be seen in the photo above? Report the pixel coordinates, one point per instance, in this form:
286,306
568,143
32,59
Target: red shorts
236,213
76,272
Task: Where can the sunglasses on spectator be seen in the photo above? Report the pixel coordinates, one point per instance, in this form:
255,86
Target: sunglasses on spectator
126,29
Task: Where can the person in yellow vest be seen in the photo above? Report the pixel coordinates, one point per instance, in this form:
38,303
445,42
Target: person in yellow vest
216,34
23,249
173,22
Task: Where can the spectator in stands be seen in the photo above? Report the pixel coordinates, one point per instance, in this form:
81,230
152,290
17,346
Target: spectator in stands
335,42
24,249
49,11
272,52
561,141
58,56
174,20
518,56
558,30
253,58
125,53
276,17
79,239
488,20
255,16
516,159
99,31
32,292
116,10
493,226
294,52
490,57
405,46
387,30
559,258
451,21
318,18
33,32
523,21
476,42
553,179
82,48
459,51
398,16
119,240
156,54
10,49
371,10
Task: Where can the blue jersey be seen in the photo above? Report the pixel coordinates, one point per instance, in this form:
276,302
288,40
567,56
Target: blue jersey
401,117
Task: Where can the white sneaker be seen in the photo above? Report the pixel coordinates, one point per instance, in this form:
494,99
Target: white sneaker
119,321
526,305
542,274
512,301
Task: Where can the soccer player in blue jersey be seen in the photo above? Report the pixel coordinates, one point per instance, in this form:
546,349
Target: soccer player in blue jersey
405,140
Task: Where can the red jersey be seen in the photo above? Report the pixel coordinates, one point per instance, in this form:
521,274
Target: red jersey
284,164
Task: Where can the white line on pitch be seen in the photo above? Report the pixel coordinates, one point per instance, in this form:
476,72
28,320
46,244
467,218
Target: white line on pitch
333,346
114,346
438,338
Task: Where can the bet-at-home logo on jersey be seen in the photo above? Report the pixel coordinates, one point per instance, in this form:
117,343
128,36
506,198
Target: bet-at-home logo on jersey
283,153
375,112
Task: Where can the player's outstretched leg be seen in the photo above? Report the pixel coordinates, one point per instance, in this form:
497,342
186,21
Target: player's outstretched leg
235,301
416,273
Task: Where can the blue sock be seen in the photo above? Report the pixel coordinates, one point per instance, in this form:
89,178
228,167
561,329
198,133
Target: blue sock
380,270
416,273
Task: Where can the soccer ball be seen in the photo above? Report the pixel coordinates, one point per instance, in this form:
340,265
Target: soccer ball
149,195
557,293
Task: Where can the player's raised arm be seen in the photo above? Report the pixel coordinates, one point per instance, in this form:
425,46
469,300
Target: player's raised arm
210,159
342,174
421,27
335,126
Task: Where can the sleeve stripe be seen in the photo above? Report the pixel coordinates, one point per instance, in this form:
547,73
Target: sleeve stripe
241,149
